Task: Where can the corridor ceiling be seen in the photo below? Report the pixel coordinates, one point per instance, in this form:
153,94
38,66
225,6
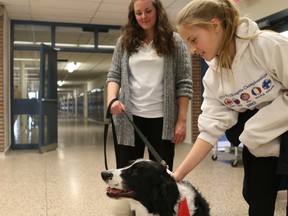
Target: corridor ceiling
103,12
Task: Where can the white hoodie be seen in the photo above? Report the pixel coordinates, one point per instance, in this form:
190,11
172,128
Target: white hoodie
260,80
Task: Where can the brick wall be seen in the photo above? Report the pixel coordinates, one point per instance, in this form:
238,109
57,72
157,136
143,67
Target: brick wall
196,101
1,88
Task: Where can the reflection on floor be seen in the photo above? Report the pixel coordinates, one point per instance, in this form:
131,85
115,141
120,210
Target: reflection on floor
26,129
67,181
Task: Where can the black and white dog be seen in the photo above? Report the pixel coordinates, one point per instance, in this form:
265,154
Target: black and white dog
151,190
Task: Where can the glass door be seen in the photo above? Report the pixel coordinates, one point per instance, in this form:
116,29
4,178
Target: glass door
34,99
25,99
48,129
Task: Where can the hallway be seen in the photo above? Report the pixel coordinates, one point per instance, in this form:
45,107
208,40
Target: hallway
67,182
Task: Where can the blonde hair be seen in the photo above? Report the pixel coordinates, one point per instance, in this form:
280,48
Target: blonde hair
201,12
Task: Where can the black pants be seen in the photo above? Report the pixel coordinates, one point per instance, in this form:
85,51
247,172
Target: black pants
152,130
260,183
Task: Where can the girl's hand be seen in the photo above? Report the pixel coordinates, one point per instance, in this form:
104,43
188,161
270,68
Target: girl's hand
176,177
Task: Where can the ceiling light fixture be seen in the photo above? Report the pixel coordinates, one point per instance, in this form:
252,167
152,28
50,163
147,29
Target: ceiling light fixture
60,82
65,45
72,66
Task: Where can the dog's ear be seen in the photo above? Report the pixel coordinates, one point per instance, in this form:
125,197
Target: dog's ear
166,196
169,187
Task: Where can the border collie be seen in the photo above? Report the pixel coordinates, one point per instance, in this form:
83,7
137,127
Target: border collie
151,190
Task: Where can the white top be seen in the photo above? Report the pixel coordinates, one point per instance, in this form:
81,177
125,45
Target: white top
146,82
260,70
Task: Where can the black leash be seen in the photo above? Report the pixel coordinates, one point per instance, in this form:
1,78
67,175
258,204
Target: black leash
108,120
144,139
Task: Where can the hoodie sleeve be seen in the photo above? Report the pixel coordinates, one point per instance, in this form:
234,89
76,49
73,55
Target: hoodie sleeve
272,120
215,118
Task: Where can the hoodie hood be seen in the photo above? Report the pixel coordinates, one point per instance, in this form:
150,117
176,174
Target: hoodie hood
246,28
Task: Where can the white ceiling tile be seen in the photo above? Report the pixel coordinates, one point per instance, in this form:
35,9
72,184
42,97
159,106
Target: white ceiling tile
19,16
18,9
110,7
61,12
124,2
66,4
108,17
15,2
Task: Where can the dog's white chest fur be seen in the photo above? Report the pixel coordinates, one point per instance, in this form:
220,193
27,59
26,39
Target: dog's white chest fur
139,208
189,196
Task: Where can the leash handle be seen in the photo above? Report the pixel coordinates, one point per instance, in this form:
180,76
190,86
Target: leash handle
106,127
108,114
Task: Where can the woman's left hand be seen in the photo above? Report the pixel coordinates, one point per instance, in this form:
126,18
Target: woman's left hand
179,132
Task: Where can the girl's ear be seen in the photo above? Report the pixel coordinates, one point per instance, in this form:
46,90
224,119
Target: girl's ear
216,24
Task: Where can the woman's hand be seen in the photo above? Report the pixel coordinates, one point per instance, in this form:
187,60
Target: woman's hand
117,108
180,132
180,126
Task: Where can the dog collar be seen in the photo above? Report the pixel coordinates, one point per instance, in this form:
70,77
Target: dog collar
183,208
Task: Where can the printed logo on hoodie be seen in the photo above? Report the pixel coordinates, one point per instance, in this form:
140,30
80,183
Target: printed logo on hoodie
249,94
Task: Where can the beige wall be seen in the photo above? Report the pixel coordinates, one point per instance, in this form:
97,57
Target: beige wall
257,9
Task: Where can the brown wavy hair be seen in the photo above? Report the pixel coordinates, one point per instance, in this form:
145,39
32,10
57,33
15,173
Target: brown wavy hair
133,35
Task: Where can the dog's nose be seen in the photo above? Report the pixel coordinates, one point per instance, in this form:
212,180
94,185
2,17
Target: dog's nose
106,175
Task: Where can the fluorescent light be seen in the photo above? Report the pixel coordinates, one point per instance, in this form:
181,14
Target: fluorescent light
86,46
99,46
25,59
30,43
24,42
106,46
64,44
72,66
60,83
32,68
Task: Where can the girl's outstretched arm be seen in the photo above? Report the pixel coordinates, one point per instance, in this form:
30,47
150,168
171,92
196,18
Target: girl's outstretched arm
197,153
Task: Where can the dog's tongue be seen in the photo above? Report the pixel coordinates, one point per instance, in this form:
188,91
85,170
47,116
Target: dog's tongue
113,192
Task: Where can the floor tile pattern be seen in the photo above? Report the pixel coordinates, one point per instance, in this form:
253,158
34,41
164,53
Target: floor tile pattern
67,182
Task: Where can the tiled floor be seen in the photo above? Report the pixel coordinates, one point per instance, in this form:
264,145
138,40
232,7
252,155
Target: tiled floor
67,182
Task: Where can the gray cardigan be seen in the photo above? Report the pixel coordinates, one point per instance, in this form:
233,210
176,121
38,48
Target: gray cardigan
176,82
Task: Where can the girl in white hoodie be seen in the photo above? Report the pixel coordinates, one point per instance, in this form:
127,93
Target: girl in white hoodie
248,70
